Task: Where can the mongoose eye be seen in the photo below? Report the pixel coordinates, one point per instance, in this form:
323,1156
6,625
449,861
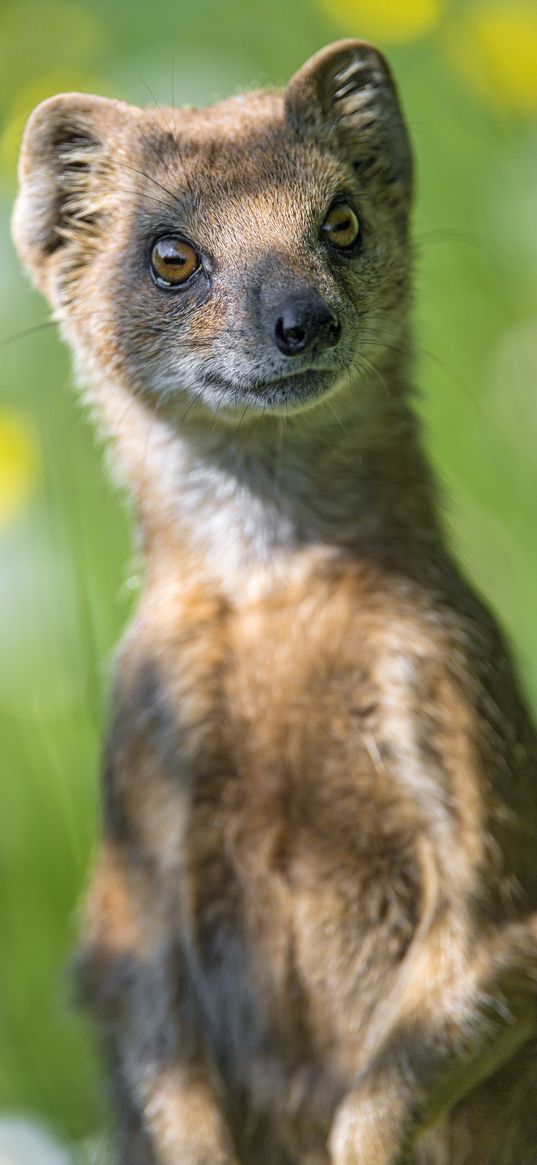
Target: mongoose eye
173,261
341,226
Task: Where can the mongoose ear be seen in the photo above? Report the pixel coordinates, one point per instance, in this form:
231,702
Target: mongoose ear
60,199
346,92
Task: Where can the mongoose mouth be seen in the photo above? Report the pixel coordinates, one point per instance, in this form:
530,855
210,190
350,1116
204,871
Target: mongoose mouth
295,389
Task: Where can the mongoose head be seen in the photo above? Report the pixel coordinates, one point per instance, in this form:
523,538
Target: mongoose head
252,255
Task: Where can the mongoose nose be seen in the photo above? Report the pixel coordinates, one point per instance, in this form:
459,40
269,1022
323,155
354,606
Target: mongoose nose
302,323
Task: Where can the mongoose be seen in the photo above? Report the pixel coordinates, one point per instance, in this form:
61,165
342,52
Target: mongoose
312,933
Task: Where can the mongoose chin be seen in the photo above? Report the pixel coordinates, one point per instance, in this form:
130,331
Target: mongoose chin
311,937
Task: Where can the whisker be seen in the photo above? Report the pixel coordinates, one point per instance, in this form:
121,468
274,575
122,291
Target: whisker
171,133
218,403
196,397
242,416
142,193
337,416
376,372
448,235
154,180
154,99
27,332
281,422
152,145
376,340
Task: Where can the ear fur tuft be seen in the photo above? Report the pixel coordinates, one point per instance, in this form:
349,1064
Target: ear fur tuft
346,93
60,199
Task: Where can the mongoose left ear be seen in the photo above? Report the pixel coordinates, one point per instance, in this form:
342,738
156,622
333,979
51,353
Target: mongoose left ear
61,195
346,93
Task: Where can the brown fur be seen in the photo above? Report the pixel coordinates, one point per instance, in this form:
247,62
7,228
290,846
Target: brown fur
312,933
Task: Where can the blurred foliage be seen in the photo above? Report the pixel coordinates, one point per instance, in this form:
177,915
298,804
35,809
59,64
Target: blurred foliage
468,74
494,47
19,464
389,19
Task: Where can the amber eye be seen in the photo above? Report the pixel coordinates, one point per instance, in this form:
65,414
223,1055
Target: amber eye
173,261
341,226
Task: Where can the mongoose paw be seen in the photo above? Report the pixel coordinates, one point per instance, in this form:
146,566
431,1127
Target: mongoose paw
371,1130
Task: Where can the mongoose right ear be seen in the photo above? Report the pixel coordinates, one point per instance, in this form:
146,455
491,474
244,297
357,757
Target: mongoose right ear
346,94
61,194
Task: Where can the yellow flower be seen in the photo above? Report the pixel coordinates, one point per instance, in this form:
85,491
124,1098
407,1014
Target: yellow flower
395,20
19,463
494,47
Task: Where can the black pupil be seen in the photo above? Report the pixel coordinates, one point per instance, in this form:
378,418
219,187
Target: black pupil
169,255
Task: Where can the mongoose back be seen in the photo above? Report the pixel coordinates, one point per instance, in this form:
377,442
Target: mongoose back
311,936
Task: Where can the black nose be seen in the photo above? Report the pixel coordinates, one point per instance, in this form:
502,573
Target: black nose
303,322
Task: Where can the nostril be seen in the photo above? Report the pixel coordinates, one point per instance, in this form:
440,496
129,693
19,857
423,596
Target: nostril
303,323
295,335
290,336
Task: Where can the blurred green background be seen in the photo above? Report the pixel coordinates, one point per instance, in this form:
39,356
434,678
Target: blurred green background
468,75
